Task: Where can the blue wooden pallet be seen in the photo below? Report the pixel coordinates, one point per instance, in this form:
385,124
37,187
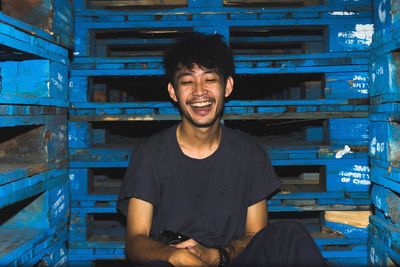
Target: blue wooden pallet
50,20
234,110
385,174
387,202
386,21
206,14
384,133
33,70
24,40
39,144
386,41
384,139
38,229
26,247
335,132
30,111
314,155
48,208
25,187
385,78
349,173
35,81
282,202
383,241
109,243
245,64
44,211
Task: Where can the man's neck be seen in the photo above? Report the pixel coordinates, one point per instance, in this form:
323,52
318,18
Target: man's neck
196,142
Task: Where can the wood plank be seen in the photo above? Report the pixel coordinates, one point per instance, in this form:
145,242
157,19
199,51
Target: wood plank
34,12
135,3
358,219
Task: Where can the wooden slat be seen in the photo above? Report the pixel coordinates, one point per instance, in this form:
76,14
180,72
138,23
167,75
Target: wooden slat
355,218
34,12
137,3
282,3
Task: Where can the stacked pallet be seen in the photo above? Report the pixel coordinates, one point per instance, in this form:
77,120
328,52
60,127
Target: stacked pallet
34,189
384,147
301,88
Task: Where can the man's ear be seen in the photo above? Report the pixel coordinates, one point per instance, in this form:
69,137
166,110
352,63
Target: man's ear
228,86
171,92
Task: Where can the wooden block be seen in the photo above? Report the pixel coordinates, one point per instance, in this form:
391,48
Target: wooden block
354,218
27,147
53,17
350,37
347,131
387,202
34,78
384,141
385,73
138,3
346,85
79,134
348,177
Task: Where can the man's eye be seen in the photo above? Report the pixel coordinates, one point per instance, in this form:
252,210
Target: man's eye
186,82
211,80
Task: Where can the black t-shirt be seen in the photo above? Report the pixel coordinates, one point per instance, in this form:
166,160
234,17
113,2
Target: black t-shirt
205,199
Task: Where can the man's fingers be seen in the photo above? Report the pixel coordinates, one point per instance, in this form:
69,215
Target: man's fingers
186,244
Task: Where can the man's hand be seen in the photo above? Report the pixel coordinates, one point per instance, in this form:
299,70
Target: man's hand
210,256
183,257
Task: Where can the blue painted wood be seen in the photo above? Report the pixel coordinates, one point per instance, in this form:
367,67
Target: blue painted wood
358,36
348,231
385,77
20,41
385,234
79,135
379,254
314,63
34,79
25,247
62,22
347,131
384,141
387,202
385,174
14,243
351,37
348,177
54,255
30,186
346,85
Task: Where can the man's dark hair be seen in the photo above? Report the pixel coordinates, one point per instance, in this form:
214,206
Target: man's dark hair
205,50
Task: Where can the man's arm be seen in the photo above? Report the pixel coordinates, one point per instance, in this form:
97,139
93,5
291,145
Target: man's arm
257,219
140,248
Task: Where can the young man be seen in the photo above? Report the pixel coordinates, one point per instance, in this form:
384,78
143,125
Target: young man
206,181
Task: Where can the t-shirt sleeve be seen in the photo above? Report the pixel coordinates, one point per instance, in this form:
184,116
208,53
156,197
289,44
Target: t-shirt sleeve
263,180
140,180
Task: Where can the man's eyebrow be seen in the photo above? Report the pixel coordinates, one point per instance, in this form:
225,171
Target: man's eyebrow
183,73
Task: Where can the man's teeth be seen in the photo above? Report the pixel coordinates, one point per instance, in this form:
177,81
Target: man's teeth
201,104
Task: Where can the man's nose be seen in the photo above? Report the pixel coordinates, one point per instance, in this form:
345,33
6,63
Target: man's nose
199,88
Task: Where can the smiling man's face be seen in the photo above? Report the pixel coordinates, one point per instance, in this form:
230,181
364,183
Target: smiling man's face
200,95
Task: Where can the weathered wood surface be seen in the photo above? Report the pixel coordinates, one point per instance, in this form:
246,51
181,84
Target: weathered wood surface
50,19
354,218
